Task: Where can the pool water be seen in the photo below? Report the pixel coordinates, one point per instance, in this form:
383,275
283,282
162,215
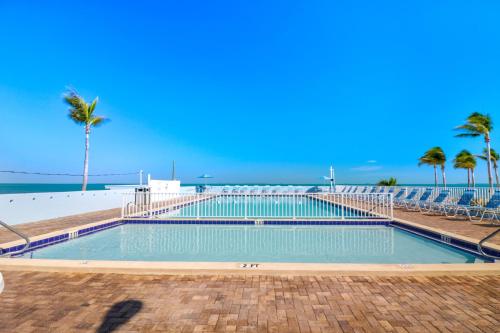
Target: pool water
264,206
253,243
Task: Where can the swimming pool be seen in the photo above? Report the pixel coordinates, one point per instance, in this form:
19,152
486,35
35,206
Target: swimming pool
261,206
257,243
331,206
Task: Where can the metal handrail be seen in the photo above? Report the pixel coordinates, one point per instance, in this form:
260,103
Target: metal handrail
20,234
480,244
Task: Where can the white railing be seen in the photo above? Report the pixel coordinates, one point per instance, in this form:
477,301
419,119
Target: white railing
340,206
256,189
481,197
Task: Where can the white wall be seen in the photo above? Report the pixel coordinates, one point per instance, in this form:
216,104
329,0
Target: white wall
30,207
164,186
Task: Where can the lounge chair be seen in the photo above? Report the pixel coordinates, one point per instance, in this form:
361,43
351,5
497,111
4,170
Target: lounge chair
398,195
463,205
409,197
415,205
437,203
490,209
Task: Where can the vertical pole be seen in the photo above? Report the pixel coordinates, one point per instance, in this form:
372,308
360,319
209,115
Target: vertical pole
342,206
391,202
123,205
245,204
140,177
198,201
294,202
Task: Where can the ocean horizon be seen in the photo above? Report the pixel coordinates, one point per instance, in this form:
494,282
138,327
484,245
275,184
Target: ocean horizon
12,188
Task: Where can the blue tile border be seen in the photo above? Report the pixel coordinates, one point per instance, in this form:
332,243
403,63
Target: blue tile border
94,229
219,222
450,241
324,222
35,245
435,236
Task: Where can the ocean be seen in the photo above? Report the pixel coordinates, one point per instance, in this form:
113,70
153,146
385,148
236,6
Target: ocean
8,188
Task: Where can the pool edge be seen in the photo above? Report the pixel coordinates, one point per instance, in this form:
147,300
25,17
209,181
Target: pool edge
235,268
63,235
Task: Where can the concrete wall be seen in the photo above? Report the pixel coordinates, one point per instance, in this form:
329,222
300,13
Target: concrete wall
30,207
164,186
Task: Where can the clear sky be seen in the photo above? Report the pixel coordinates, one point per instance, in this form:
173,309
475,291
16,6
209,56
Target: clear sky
248,91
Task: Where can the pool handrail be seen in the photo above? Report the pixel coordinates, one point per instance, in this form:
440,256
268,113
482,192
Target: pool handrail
20,234
482,241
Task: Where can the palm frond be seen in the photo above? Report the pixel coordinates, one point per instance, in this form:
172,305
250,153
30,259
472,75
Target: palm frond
433,156
98,121
483,121
477,124
467,135
464,160
494,155
93,105
80,111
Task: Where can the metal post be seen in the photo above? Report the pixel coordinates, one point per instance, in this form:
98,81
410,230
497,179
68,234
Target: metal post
342,206
198,207
123,205
245,205
293,206
391,202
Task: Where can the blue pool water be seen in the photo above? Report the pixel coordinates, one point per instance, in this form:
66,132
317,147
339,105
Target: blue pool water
264,206
253,243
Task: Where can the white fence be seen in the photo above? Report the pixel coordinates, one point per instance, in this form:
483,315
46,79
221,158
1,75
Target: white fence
260,189
257,206
30,207
481,197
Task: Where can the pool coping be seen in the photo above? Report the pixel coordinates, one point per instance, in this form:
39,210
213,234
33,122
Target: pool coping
236,268
139,267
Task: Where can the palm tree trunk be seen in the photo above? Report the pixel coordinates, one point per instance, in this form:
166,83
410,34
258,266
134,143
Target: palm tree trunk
86,160
488,148
473,178
468,177
496,174
435,176
444,175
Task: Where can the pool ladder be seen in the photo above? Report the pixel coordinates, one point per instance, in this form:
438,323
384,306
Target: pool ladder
480,245
20,234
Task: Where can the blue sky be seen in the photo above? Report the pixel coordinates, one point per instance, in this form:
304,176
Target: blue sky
248,91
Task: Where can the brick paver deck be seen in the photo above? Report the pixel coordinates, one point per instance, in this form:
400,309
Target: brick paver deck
46,226
78,302
459,225
70,302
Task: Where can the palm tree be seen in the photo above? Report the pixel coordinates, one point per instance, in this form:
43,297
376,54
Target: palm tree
388,182
478,124
82,113
465,160
435,156
495,158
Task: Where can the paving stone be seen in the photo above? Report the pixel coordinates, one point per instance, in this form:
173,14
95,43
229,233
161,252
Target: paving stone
79,302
